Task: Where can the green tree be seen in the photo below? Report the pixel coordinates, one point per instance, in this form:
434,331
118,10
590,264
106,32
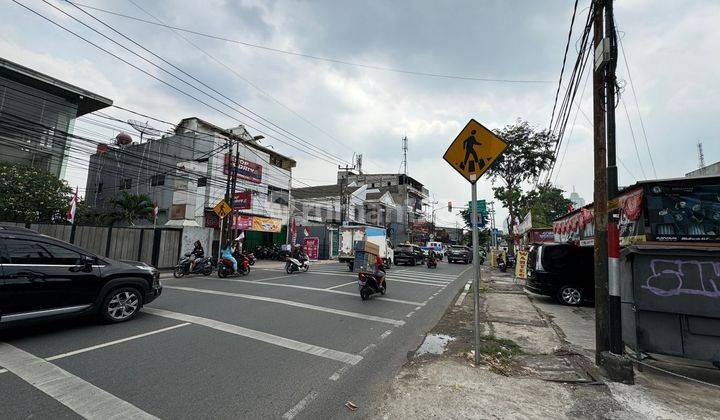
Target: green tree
32,196
132,207
529,152
546,204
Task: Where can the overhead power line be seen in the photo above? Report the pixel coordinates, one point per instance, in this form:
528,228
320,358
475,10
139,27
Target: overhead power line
316,57
562,68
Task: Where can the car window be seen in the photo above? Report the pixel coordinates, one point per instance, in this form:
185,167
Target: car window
556,258
30,252
403,248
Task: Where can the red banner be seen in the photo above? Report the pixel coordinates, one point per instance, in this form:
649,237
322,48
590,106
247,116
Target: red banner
311,244
243,222
243,169
242,200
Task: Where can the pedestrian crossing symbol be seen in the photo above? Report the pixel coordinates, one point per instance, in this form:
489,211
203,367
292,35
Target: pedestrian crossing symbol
474,150
222,209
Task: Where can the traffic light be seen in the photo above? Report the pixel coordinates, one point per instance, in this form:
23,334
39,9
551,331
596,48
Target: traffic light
450,206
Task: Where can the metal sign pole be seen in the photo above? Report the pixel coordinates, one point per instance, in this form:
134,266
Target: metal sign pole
476,271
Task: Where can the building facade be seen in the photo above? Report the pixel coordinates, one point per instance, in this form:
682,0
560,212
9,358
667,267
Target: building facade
36,117
188,172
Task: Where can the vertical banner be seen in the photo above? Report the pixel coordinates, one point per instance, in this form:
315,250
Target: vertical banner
521,265
293,231
311,244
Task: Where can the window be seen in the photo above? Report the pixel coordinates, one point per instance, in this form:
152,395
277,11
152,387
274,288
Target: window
278,195
202,182
125,184
99,187
157,180
30,252
357,213
388,183
372,185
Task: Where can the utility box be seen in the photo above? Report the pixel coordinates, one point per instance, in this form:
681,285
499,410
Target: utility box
670,296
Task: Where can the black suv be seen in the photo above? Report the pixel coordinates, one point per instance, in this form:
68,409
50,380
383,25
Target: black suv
563,271
42,277
408,254
457,253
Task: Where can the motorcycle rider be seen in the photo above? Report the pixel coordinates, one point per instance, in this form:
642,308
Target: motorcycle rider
298,253
379,271
196,254
227,253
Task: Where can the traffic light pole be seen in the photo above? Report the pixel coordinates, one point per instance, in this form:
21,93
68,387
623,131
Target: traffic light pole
476,271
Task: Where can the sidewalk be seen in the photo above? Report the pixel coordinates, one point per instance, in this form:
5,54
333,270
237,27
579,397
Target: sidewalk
531,368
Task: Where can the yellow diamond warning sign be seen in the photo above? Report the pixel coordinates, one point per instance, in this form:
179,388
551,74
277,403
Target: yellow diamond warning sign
474,150
222,209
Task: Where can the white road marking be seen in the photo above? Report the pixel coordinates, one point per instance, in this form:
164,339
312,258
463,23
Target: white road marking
292,303
392,280
287,343
341,285
431,297
317,289
418,307
80,396
367,349
390,276
410,314
385,334
109,343
338,373
300,406
461,298
272,278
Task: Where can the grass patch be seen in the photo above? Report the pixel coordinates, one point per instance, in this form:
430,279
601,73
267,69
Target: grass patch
499,347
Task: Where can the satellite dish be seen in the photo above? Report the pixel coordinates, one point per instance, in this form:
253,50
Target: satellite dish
144,128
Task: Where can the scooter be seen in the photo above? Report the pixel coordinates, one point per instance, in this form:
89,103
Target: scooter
251,258
431,262
225,267
202,266
369,285
501,265
293,264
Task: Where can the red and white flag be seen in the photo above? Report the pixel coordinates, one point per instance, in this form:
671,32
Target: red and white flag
70,215
306,231
156,210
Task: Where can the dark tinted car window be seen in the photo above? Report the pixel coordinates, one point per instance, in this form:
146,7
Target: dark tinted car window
404,248
556,258
23,251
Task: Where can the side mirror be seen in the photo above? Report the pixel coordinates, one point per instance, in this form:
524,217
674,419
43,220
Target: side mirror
87,262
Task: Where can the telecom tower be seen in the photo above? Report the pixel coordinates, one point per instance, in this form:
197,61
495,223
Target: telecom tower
405,149
701,156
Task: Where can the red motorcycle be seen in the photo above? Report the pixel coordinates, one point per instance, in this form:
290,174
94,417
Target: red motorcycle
225,267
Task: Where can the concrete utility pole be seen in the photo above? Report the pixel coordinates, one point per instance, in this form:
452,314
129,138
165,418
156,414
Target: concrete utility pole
615,325
600,195
230,229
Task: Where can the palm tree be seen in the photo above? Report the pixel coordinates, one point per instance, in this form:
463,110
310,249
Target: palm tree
132,207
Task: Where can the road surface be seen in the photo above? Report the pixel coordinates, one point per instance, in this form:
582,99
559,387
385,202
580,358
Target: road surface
267,345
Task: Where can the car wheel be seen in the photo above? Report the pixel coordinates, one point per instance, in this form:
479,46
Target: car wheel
121,304
178,272
570,295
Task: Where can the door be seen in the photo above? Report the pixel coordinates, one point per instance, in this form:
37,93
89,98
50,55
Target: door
42,275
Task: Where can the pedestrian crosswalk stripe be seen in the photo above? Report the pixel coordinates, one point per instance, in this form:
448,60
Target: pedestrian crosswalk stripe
287,343
82,397
292,303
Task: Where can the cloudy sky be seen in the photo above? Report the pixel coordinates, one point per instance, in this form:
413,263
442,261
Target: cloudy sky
671,48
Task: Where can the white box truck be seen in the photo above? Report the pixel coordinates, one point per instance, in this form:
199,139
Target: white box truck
351,234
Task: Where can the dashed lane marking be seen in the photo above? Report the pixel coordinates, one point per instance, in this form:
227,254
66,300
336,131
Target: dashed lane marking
300,406
80,396
317,289
350,359
410,314
385,334
292,303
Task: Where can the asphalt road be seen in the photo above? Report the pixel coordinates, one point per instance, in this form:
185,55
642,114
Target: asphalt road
267,345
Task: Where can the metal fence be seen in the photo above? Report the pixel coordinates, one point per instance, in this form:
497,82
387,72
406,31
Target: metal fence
159,247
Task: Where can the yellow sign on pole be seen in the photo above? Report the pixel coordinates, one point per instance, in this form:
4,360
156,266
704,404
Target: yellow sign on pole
222,209
521,265
474,150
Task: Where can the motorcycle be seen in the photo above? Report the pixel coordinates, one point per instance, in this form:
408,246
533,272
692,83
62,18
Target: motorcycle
431,262
203,266
501,265
294,264
369,285
225,267
251,258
